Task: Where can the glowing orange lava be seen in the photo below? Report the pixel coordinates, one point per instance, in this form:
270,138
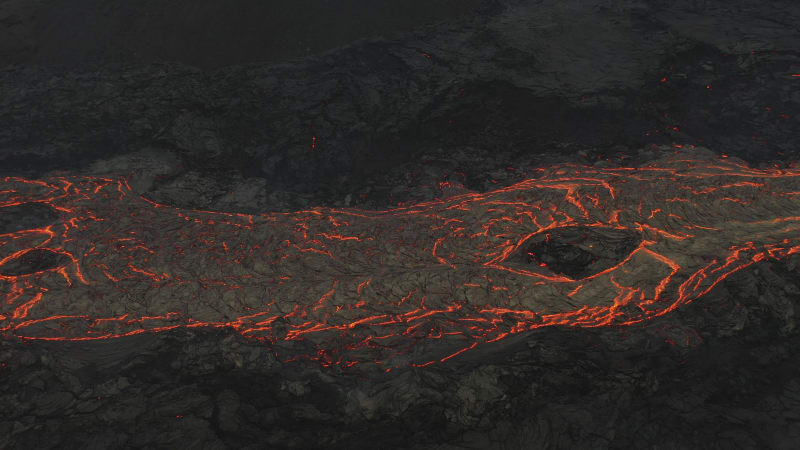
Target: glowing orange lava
359,286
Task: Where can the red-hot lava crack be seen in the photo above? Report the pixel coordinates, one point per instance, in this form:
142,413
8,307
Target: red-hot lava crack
371,286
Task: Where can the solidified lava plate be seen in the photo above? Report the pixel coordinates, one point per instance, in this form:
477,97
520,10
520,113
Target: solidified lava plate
574,245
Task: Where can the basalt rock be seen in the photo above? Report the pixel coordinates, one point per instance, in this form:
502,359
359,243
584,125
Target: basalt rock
509,135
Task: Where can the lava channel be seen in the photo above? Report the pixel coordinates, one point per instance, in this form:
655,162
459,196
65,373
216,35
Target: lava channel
574,246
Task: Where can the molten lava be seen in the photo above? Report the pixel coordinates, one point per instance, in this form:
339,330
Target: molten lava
574,245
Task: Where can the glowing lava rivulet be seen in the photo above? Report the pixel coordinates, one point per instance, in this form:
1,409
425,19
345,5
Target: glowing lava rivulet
359,286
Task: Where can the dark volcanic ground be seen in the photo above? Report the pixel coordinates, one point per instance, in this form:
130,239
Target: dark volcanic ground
202,33
476,99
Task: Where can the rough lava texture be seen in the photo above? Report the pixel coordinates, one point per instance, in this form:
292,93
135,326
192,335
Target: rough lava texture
452,114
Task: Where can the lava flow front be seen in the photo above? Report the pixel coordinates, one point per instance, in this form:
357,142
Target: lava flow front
575,245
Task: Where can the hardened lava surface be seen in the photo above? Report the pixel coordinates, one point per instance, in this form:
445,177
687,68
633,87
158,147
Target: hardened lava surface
125,325
370,286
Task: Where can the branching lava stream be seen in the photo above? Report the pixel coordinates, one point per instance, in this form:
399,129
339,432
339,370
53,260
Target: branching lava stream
361,286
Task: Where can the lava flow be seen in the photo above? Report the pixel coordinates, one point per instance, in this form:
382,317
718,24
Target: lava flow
575,245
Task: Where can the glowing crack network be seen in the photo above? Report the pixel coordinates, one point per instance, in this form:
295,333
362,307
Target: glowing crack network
358,286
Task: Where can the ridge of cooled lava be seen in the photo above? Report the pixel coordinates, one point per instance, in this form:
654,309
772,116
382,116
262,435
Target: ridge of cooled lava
575,245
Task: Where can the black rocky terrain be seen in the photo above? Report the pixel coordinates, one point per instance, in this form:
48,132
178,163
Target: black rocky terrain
470,103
